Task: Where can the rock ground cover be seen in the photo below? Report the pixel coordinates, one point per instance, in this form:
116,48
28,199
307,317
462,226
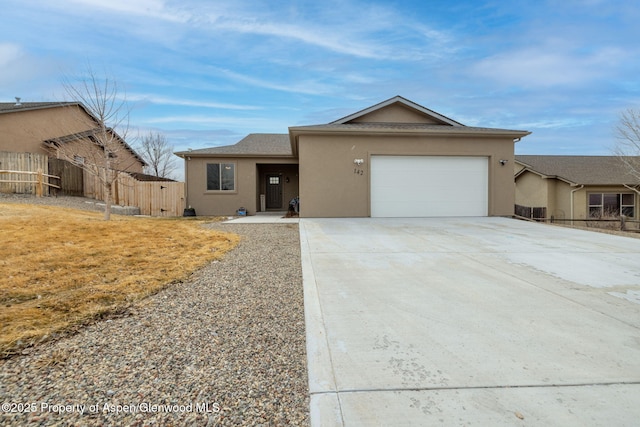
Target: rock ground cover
225,347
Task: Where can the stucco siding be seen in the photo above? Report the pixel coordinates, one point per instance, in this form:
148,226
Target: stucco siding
245,194
562,206
331,185
24,131
553,202
532,190
124,160
394,114
580,199
557,196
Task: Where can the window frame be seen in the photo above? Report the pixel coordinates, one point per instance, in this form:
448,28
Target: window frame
602,204
221,179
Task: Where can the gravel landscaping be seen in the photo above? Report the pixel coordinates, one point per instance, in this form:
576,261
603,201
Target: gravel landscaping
225,347
83,203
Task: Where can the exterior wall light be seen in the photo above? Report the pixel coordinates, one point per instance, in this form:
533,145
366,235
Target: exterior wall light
503,162
358,161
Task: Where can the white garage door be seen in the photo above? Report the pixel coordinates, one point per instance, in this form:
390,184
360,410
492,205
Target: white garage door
429,186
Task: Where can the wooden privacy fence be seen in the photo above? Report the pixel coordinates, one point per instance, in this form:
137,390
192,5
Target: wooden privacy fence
17,168
71,178
154,198
32,173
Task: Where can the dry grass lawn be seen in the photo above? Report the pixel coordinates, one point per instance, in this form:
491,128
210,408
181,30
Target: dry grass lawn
60,268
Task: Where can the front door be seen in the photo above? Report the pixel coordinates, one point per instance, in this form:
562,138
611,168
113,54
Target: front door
274,192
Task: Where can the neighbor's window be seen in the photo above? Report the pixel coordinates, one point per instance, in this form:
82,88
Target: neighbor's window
79,160
221,176
611,204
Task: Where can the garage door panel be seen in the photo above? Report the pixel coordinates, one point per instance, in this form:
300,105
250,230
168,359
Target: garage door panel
423,186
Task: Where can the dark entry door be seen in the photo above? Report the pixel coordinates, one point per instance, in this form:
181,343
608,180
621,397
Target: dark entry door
274,192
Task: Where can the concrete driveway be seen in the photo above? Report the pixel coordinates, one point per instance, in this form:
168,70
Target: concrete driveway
470,321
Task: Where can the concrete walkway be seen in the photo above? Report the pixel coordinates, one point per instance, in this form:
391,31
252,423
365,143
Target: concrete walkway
470,321
263,218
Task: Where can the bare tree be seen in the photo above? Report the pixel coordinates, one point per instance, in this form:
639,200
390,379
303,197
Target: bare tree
628,140
158,153
100,151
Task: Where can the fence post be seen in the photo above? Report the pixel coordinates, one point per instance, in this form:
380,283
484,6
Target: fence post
623,225
39,183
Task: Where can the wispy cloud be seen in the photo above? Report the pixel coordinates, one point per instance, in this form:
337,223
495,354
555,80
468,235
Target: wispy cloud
308,87
23,74
162,100
146,8
215,66
308,34
9,54
361,30
547,66
253,124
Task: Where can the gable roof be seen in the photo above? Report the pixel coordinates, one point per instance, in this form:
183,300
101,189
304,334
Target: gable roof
435,124
286,145
579,170
255,144
91,135
404,102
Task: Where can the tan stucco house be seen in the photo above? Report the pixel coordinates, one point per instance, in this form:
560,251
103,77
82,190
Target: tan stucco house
393,159
577,187
39,127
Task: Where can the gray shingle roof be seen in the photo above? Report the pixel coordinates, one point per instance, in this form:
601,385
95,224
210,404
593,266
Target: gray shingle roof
11,107
408,127
581,170
258,144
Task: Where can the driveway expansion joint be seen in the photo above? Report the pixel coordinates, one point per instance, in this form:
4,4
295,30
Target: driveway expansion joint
491,387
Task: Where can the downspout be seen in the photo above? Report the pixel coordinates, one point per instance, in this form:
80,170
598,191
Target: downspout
637,191
573,191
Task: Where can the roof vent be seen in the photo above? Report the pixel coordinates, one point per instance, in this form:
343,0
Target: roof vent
18,103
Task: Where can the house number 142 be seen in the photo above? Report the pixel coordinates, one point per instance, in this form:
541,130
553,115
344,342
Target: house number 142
358,171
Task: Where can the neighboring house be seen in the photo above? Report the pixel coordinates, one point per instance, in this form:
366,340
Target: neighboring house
393,159
577,187
37,127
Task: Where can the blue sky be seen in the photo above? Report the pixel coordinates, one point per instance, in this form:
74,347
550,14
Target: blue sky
206,73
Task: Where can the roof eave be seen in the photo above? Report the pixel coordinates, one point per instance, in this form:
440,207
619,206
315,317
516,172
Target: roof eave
296,131
528,168
40,107
447,130
185,154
